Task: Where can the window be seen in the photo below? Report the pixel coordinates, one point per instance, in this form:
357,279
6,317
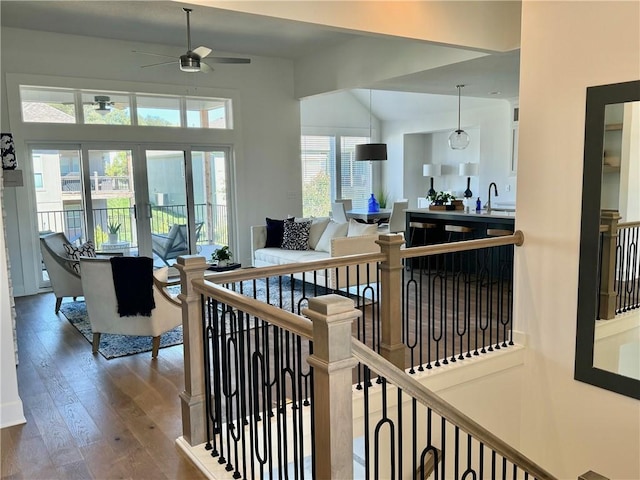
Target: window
92,107
47,105
207,113
159,111
37,179
329,171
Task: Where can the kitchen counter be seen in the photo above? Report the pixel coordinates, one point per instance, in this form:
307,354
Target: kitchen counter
479,222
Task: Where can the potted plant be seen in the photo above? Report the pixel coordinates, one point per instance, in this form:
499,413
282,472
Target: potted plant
222,256
440,198
113,228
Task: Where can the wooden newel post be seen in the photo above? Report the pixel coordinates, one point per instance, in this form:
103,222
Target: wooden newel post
610,219
391,346
332,363
193,396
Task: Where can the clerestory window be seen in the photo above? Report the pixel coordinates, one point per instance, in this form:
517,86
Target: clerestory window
90,107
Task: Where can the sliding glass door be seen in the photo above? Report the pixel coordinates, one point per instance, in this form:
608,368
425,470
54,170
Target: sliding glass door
136,200
112,198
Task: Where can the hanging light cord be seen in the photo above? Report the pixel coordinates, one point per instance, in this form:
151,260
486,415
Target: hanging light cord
370,140
459,86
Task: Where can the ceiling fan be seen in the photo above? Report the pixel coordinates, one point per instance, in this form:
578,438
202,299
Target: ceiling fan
103,103
192,60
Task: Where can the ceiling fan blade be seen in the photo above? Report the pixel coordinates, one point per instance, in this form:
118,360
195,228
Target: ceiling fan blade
202,51
205,68
229,60
154,54
158,64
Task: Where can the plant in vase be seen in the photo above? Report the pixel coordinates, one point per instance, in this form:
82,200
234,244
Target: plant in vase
440,198
222,256
113,229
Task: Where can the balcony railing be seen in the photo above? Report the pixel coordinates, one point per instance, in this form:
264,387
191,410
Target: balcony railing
270,395
72,222
72,184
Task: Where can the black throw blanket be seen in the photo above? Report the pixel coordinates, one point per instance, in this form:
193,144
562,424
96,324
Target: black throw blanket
133,282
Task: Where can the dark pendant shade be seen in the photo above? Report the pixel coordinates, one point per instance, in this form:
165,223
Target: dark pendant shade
371,152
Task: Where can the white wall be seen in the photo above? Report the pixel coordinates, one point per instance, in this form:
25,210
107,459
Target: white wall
568,426
411,143
266,141
11,411
488,125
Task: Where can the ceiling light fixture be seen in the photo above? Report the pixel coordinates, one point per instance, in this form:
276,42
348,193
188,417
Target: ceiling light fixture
371,151
103,103
459,140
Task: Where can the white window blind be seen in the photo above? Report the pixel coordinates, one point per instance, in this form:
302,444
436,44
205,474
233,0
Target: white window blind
329,171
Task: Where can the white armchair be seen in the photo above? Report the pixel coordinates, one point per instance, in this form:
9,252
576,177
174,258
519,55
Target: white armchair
102,306
65,282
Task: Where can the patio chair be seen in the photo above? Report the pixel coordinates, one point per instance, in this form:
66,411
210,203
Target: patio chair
65,281
103,302
173,244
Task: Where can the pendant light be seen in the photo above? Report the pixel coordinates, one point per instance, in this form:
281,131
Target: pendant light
459,140
371,151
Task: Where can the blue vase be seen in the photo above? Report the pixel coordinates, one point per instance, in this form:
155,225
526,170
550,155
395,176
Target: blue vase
374,206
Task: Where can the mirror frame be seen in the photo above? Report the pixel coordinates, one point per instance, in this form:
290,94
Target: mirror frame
598,98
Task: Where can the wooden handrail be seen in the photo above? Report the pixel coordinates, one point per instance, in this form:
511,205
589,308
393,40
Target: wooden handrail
516,239
628,225
429,399
327,264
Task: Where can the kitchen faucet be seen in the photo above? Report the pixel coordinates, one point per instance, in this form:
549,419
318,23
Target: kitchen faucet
495,190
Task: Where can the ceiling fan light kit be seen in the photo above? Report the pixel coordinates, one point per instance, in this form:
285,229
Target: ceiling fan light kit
191,61
459,139
103,103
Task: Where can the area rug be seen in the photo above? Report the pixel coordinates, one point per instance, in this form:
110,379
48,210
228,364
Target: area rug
111,345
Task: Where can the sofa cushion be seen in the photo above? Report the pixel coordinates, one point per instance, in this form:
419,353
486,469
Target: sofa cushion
332,230
296,235
275,232
74,253
357,229
278,256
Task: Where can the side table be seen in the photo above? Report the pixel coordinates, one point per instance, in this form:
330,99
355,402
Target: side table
117,247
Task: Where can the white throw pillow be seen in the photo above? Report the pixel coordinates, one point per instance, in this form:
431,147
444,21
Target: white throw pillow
333,230
357,229
318,226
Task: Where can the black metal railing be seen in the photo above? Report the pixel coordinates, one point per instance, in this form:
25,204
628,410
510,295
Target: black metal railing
457,305
260,390
259,394
213,217
627,269
410,432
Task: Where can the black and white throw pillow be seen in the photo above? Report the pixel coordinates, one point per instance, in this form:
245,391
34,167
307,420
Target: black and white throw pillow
74,253
296,235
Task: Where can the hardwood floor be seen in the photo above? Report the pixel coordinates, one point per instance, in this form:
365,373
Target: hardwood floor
87,417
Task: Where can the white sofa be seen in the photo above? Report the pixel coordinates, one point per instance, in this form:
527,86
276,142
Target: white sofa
340,246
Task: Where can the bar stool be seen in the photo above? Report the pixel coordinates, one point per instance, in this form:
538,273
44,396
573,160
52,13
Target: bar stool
424,227
494,268
461,232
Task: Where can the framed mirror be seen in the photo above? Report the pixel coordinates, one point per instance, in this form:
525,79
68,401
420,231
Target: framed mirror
608,316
